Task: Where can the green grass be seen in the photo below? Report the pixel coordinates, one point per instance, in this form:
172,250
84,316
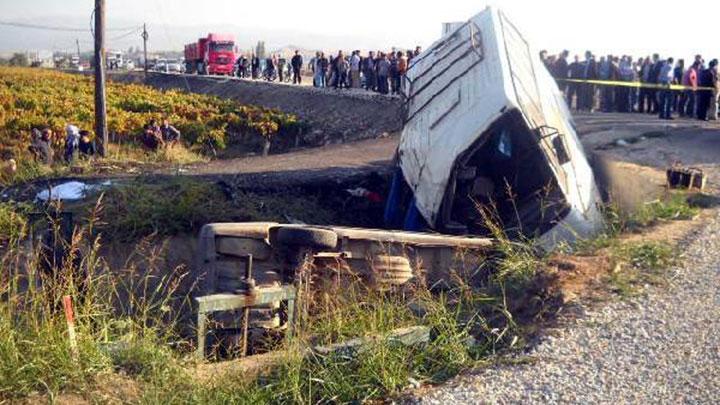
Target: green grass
127,323
639,263
672,207
13,223
181,205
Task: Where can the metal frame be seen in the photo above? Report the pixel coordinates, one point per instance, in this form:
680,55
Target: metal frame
250,296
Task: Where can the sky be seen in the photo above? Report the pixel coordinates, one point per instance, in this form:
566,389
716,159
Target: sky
611,26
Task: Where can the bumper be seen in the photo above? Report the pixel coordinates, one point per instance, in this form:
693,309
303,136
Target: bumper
220,69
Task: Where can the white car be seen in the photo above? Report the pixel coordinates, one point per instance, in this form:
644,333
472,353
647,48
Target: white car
174,66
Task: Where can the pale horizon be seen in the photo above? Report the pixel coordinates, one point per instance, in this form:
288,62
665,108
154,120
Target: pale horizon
618,27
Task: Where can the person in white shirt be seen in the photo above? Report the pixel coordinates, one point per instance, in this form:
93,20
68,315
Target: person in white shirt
665,78
355,70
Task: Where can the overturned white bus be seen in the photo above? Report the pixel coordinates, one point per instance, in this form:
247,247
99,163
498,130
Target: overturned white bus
486,127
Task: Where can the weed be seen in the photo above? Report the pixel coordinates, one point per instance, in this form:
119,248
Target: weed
640,263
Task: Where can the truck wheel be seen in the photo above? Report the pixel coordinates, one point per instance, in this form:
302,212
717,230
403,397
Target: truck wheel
391,270
314,238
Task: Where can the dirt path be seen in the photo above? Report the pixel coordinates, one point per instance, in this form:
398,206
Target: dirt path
349,156
595,130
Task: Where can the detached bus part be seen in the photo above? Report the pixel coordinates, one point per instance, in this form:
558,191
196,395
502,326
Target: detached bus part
486,129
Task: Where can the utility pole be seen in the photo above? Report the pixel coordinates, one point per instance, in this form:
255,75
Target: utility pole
101,130
145,37
77,42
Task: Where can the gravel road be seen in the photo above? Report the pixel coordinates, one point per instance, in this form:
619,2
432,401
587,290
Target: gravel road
661,348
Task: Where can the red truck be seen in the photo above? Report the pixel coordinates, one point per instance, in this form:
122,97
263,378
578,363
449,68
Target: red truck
213,55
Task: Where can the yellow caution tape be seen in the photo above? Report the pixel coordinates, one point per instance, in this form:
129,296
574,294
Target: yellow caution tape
636,84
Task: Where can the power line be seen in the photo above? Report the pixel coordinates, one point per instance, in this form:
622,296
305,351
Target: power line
127,34
56,28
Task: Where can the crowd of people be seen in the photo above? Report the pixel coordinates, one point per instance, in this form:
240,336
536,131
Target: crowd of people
160,136
78,144
648,88
381,72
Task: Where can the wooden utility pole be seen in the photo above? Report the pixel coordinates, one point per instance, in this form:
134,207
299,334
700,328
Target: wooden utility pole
101,130
145,37
77,42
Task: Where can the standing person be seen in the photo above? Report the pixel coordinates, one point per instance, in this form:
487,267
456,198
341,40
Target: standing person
255,66
560,70
72,141
418,51
665,95
687,100
281,69
238,65
678,74
339,66
383,72
402,69
715,84
573,91
297,64
706,79
394,74
653,78
315,67
369,71
269,73
355,70
587,90
324,64
622,94
645,104
604,72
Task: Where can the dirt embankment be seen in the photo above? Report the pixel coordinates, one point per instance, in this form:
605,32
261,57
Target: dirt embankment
335,115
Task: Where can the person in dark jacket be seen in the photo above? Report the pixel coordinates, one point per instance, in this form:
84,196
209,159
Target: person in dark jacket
281,69
170,134
41,146
86,146
707,78
678,74
573,90
297,64
255,66
587,90
560,70
368,65
653,79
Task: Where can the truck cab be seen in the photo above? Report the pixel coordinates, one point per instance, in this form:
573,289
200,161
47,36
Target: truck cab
220,54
